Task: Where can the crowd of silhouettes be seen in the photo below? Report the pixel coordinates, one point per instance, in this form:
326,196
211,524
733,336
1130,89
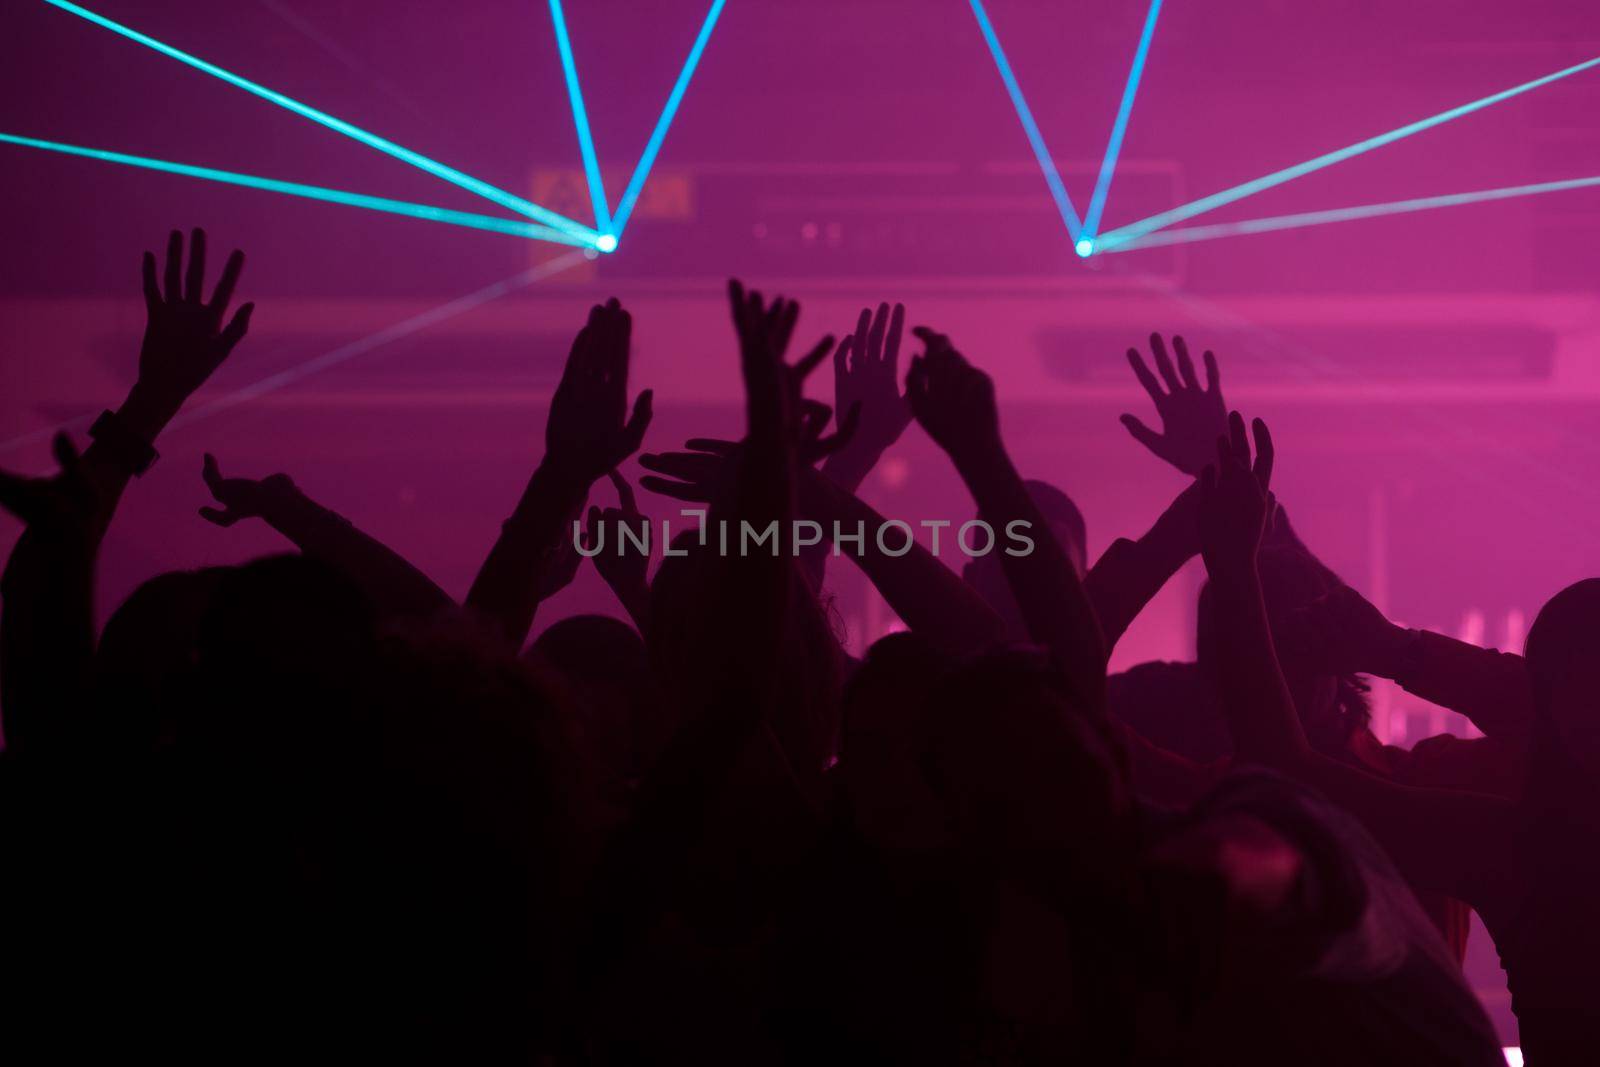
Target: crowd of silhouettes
312,809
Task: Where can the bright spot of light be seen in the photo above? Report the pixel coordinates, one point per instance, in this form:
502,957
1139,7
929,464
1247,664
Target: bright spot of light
606,243
894,472
1084,248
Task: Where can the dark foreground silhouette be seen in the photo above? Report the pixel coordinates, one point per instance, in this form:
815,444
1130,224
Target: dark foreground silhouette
313,809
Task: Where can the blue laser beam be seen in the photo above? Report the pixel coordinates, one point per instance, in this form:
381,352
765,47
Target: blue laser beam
512,227
580,119
371,140
1345,214
1199,207
386,336
652,148
1119,130
1052,177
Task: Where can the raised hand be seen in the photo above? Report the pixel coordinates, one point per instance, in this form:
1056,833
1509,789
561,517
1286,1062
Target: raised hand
590,430
773,386
63,503
812,445
242,498
623,566
701,474
952,399
1235,499
1192,416
185,337
955,403
704,471
396,588
866,376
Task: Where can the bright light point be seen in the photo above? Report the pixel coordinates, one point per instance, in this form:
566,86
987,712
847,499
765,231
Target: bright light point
606,243
1085,248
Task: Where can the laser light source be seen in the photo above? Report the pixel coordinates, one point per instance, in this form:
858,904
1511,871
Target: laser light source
1084,248
606,243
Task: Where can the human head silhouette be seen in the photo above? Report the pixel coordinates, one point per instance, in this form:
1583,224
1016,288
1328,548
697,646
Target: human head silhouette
146,657
809,665
1032,782
883,734
1563,657
603,663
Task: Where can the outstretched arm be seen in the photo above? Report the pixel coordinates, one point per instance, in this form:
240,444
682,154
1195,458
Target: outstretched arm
748,598
1130,573
186,338
589,432
866,378
1234,513
1344,632
48,631
934,601
756,587
1438,838
1192,416
397,589
747,608
954,402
